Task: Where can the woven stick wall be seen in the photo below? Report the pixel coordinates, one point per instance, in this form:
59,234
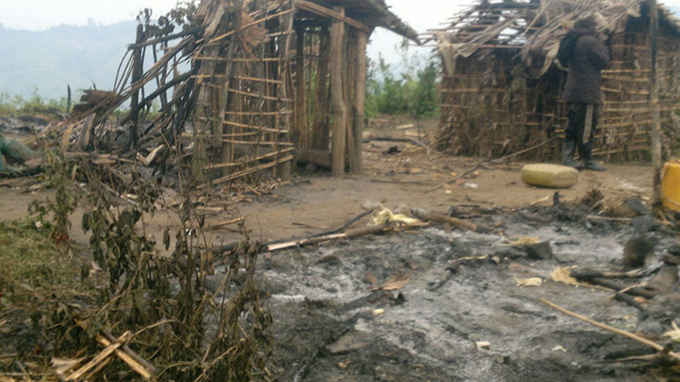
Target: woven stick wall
501,91
241,86
244,111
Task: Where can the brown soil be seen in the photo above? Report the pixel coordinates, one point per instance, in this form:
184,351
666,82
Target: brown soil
315,202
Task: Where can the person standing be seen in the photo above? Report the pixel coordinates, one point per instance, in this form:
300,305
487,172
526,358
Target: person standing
584,53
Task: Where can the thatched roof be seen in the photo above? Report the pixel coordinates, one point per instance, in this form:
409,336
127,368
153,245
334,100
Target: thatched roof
375,13
533,28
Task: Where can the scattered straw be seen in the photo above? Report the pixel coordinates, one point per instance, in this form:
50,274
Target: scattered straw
524,241
563,275
674,334
534,281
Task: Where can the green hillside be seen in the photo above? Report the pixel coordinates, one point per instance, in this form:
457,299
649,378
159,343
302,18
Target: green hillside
49,60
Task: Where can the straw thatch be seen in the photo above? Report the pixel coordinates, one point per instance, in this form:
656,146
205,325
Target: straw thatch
501,87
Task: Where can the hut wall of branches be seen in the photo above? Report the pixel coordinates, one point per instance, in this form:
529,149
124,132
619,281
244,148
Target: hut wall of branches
245,88
501,88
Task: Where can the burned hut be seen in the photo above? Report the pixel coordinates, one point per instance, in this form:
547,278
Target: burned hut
241,85
501,84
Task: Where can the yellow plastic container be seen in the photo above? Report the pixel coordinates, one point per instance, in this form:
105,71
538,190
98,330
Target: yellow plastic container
549,175
670,185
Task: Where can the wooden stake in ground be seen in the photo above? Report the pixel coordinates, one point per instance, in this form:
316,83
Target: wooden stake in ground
611,329
359,101
337,98
654,100
299,133
137,73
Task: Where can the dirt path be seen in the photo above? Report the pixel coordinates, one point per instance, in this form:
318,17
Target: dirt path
318,202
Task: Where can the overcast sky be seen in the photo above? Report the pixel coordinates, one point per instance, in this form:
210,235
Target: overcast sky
42,14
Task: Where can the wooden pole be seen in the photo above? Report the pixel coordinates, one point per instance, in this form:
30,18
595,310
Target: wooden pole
284,69
228,102
359,101
68,99
298,133
654,103
348,81
321,134
337,98
137,72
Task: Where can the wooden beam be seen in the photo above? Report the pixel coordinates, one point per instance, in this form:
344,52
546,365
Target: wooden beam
359,101
337,98
330,13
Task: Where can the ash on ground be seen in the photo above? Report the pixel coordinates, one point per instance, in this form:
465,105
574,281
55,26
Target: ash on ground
332,322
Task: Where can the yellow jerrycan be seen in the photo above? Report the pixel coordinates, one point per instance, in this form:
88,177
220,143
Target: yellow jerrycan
670,185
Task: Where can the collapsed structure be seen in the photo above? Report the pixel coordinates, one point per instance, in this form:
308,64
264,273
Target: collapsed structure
264,78
501,87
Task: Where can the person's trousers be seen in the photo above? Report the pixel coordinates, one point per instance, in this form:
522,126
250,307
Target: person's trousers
581,127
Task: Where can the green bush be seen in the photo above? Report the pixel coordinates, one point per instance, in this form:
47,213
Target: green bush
415,91
17,105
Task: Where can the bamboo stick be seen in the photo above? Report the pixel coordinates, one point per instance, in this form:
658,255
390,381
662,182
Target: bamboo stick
257,143
255,95
259,128
250,171
256,22
251,160
624,333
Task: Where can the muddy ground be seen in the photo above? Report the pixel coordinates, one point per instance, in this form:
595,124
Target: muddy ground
326,330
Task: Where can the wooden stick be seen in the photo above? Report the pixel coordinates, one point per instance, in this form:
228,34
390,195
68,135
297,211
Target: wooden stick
321,134
348,234
257,143
129,360
586,274
99,358
457,223
504,158
250,171
259,128
226,223
611,329
166,38
466,173
232,32
335,14
130,352
250,160
137,73
300,127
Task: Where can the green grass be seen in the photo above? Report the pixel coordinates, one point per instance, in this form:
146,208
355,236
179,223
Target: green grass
31,263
